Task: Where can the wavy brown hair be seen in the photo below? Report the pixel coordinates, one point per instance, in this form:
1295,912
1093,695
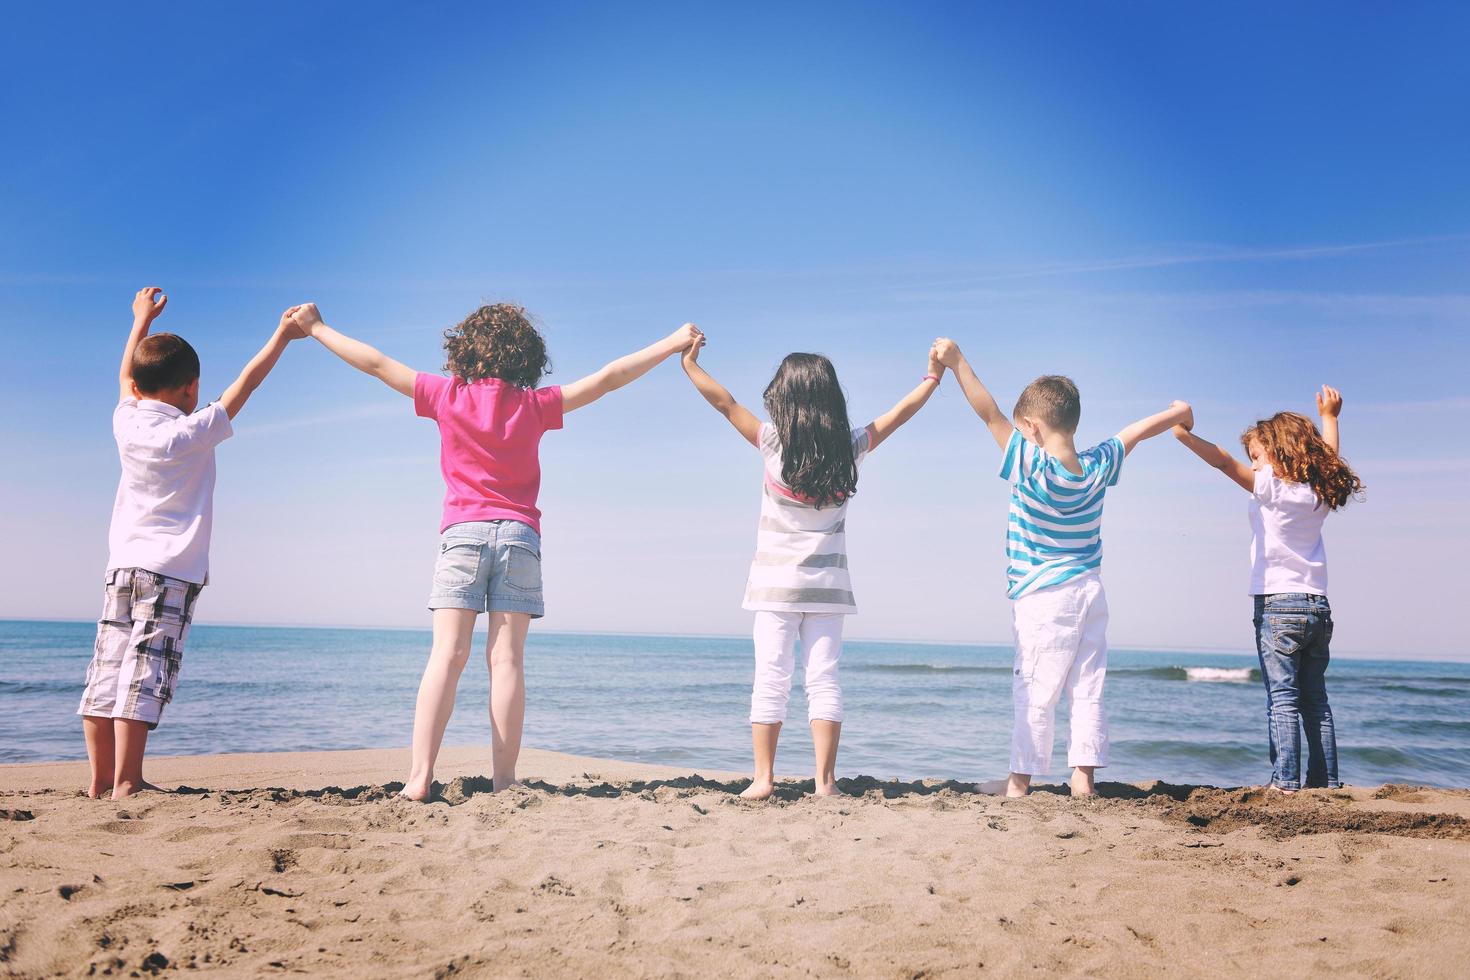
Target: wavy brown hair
1298,453
496,341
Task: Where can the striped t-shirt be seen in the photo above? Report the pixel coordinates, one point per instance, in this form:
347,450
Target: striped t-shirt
800,561
1055,527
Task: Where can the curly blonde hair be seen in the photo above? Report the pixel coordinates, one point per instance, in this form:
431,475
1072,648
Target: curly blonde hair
1298,453
496,341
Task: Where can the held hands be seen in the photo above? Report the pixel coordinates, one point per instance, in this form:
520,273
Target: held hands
946,352
289,328
1186,415
149,302
1329,402
690,339
936,366
305,318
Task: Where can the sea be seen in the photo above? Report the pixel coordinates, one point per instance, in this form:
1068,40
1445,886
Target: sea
913,710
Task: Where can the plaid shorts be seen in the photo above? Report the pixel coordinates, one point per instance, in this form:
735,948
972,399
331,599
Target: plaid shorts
140,641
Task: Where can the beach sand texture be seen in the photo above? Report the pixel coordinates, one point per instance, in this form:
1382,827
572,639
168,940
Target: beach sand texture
613,869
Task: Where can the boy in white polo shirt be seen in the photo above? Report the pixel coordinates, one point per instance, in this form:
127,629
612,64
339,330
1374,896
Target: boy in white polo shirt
158,545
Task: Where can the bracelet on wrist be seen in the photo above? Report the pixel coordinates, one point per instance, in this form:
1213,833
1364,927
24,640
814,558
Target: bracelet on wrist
930,377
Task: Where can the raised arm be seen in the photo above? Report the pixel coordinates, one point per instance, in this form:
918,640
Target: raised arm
147,304
237,394
625,370
717,395
908,406
1178,413
979,397
1329,406
1238,471
367,359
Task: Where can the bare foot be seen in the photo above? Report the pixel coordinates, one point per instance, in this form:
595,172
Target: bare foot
125,789
96,790
1082,784
1018,785
993,787
417,790
1284,792
499,785
759,789
826,789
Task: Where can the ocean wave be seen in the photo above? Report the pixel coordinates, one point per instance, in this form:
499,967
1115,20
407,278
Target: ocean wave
1216,675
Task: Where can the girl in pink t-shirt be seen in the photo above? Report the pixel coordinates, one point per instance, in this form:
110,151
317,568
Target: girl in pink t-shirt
491,417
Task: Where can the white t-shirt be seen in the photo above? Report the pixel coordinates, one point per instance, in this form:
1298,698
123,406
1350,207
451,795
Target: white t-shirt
165,499
800,563
1287,553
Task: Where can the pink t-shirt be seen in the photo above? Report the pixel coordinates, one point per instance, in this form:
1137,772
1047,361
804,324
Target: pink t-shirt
489,440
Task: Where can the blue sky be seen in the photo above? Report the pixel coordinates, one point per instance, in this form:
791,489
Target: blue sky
1229,206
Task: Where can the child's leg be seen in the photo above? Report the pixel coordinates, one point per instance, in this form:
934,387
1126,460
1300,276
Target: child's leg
505,651
1087,748
104,675
1321,735
776,634
450,652
131,738
101,751
1045,625
1283,630
821,645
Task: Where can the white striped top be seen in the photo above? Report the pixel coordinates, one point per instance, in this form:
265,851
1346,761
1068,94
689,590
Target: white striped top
1055,526
800,561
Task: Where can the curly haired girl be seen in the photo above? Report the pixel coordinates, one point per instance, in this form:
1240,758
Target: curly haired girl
491,417
1295,478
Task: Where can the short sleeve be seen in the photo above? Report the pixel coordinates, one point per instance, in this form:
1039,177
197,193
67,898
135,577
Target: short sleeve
862,443
428,394
1265,483
205,429
1112,461
122,415
550,405
768,442
1019,459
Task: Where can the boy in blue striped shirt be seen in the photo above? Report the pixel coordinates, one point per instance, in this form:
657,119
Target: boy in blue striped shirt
1054,554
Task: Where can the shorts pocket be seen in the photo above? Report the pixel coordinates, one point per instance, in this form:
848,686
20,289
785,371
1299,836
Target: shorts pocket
522,568
459,564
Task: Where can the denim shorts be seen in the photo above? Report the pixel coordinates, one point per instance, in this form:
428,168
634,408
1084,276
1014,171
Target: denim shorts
489,566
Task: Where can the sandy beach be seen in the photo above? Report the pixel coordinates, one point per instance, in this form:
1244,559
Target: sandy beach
305,862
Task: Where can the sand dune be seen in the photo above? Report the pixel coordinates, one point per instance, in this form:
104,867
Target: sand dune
306,862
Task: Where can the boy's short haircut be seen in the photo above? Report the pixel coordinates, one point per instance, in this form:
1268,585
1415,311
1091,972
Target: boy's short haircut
1054,400
163,362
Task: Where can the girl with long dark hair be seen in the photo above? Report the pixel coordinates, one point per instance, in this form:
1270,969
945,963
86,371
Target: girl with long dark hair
798,587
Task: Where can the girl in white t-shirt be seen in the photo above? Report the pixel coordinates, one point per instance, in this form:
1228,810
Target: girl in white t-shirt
1295,478
798,586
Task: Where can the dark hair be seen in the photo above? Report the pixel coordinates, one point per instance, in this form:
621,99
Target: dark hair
1298,454
163,362
496,341
1053,399
809,412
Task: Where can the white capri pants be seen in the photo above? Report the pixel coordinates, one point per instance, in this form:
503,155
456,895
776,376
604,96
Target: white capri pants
776,636
1061,646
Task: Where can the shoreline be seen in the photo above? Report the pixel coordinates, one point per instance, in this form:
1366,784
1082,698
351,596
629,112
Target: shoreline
274,862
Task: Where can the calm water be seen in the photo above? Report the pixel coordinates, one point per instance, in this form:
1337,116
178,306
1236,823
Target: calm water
912,711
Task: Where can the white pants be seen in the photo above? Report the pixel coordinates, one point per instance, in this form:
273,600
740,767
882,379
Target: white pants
1061,645
776,635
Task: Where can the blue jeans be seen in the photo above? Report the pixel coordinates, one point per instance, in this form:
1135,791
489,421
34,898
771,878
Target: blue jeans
1293,631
